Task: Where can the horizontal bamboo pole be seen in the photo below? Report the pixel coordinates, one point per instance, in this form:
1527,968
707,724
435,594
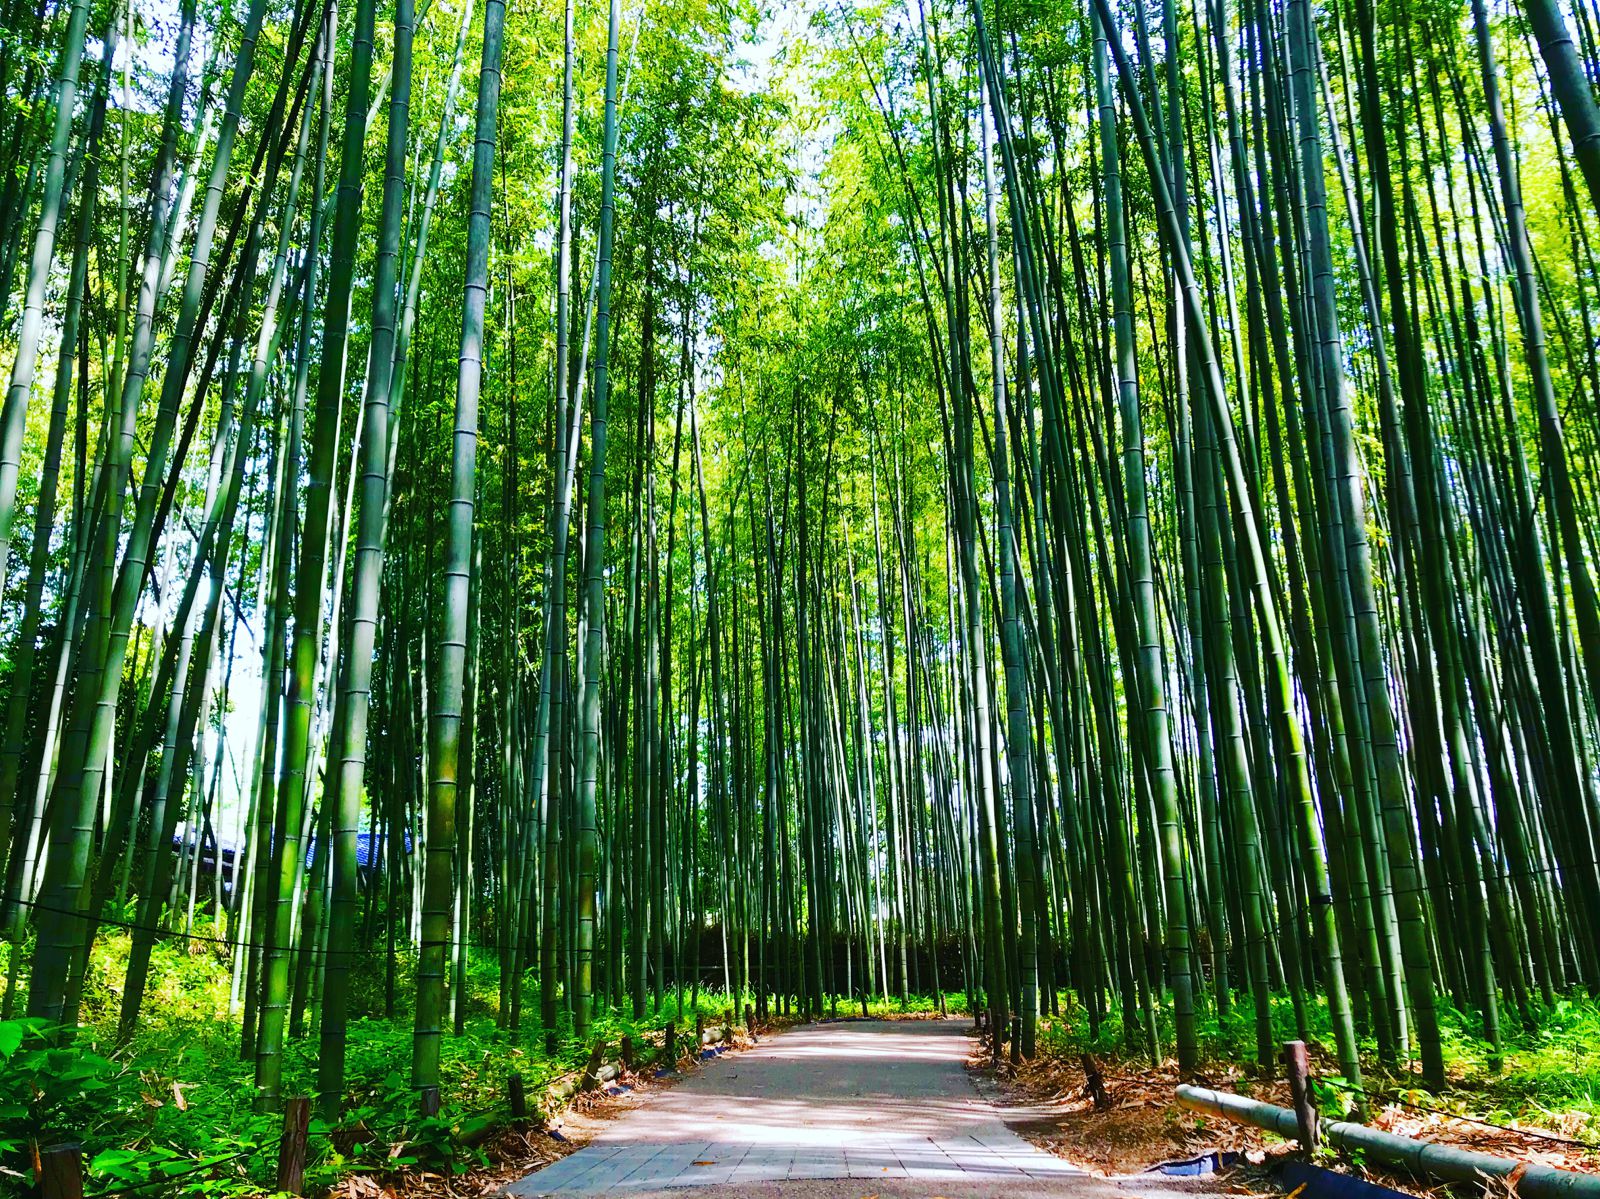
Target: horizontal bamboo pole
1421,1158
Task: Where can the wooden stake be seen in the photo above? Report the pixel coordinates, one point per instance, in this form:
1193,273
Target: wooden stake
669,1046
519,1097
292,1148
61,1172
1297,1063
1096,1082
591,1073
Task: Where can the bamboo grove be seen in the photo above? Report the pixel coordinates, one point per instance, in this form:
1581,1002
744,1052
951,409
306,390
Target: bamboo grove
1085,508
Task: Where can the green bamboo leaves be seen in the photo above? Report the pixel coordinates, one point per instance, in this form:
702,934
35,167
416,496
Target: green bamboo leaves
1100,566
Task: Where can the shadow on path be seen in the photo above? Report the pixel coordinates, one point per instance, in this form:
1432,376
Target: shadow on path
867,1108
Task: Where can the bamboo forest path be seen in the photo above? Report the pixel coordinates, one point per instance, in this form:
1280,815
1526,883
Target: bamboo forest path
871,1107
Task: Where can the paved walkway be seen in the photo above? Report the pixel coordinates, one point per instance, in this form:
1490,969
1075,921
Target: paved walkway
885,1105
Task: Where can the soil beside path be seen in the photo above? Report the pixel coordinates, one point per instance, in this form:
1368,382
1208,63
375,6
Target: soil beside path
869,1108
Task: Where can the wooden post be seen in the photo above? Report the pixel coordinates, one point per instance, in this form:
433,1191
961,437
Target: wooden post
699,1032
669,1045
292,1148
591,1072
1298,1065
519,1097
1016,1040
1095,1082
627,1053
944,1011
61,1172
750,1018
428,1101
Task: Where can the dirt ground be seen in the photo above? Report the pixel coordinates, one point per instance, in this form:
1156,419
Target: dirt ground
1143,1128
1145,1125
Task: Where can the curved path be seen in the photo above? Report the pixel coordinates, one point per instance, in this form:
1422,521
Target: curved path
879,1108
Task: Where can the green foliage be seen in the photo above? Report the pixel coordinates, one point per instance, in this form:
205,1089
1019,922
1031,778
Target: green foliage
172,1108
1549,1077
45,1089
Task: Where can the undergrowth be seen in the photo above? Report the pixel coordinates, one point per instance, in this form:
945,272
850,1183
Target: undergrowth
1547,1076
171,1112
